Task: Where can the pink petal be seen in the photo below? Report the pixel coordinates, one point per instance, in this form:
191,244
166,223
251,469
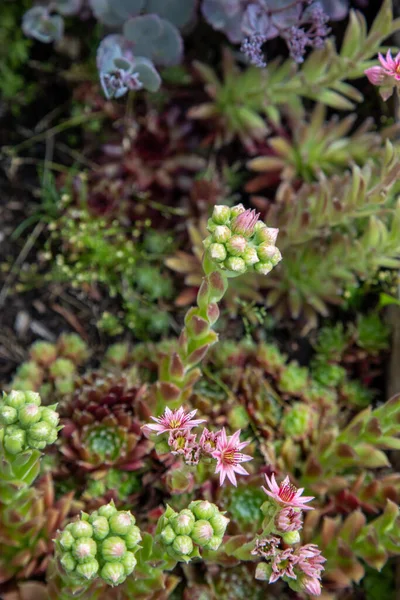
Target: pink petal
240,470
231,476
376,75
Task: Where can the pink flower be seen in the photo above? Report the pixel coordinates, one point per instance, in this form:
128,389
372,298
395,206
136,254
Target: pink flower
244,223
309,562
387,74
283,565
208,440
288,519
229,458
266,547
391,66
180,440
174,419
311,585
286,494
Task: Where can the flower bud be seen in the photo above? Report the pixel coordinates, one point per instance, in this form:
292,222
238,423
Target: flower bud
266,234
50,416
245,223
133,537
107,510
217,252
29,414
66,540
43,353
41,431
168,535
101,527
291,537
219,524
221,214
237,210
264,267
129,562
35,444
237,245
121,522
113,548
68,562
263,571
15,399
266,251
113,573
14,443
202,509
214,543
182,523
237,265
8,415
81,529
84,549
221,234
202,532
88,570
182,544
32,398
62,368
250,256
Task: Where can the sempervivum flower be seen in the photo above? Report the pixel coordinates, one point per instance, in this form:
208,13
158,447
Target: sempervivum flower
286,494
172,420
283,564
288,519
102,427
229,457
310,564
387,74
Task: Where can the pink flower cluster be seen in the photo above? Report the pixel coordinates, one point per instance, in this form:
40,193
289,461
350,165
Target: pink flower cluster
301,567
386,75
226,450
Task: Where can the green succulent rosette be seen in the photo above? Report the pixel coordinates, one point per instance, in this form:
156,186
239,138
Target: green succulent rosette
200,526
25,424
102,544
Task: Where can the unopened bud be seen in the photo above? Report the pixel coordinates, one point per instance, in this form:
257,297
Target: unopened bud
266,234
129,562
168,535
221,234
183,544
68,562
113,548
121,522
66,540
41,431
15,442
237,210
214,543
250,256
291,537
113,573
202,509
107,510
237,265
16,399
88,570
266,251
32,398
101,527
183,522
237,245
84,549
219,524
221,214
264,267
81,529
263,571
202,532
8,415
50,416
29,414
133,537
217,252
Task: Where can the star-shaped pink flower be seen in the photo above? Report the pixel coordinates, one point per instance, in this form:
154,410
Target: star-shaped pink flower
172,420
229,457
286,494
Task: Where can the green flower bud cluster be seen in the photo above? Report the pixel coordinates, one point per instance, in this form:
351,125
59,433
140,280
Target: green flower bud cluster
298,421
202,525
25,424
102,544
239,242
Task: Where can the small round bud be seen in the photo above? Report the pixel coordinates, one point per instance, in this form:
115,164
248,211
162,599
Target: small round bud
129,562
107,510
121,522
202,509
266,252
66,540
81,529
101,528
182,544
221,234
68,562
207,242
217,252
113,573
44,353
32,398
88,570
202,532
291,537
214,543
266,234
276,258
237,210
250,256
263,571
133,538
84,549
8,415
182,523
62,368
237,245
29,414
15,442
113,548
40,431
219,524
237,265
36,445
50,416
264,267
221,214
15,399
168,535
